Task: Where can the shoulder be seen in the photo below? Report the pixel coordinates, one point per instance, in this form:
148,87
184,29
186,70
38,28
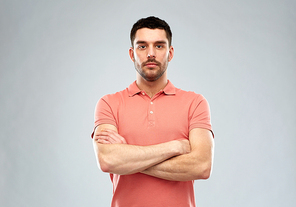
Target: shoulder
114,97
110,100
189,95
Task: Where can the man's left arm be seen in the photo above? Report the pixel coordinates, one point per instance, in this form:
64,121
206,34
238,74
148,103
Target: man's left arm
192,166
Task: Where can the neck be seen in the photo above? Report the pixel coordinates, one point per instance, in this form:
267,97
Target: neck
152,87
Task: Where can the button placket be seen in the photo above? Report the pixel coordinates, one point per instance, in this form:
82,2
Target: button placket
151,114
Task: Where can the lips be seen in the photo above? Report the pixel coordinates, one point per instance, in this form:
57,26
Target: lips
151,64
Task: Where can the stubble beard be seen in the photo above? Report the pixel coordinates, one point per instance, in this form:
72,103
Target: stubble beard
157,75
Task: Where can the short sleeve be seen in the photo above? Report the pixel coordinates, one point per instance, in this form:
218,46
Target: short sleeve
103,114
200,116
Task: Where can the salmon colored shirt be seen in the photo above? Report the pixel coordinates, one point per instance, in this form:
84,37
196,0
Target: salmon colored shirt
142,120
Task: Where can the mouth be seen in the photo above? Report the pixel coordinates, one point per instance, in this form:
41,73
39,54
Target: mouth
151,64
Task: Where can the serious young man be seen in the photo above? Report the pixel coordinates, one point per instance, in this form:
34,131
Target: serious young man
153,139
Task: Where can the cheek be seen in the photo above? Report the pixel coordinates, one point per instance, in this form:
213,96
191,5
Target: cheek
136,57
165,57
140,58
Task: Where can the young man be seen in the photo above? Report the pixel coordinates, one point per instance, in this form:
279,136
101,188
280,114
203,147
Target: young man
153,139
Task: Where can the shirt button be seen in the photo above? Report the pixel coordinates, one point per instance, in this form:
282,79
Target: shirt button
151,102
143,94
151,112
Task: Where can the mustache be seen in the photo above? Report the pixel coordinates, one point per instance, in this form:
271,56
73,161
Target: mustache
151,61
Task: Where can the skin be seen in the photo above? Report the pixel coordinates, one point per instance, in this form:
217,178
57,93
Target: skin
178,160
117,157
151,72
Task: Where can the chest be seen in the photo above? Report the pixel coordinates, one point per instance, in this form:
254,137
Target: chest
144,121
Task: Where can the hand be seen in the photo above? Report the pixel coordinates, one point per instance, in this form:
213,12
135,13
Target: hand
184,146
107,136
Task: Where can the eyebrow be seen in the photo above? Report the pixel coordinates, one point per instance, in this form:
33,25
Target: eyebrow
157,42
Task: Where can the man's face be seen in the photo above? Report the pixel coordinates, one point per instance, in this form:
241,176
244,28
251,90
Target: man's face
151,53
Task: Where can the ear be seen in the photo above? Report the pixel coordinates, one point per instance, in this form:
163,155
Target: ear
131,54
171,53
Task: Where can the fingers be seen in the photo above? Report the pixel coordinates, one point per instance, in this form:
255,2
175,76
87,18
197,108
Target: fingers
115,136
107,136
185,146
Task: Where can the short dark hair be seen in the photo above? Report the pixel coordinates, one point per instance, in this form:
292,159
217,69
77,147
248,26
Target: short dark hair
151,23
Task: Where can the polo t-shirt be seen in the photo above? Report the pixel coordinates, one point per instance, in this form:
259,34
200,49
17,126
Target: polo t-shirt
168,115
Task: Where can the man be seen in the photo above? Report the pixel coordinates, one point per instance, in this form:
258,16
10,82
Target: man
153,138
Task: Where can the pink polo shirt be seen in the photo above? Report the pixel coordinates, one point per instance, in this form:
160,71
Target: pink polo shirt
142,120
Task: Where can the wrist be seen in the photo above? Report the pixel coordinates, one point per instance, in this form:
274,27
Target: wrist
177,147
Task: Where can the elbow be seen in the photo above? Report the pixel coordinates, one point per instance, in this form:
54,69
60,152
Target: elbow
104,160
105,165
206,173
203,172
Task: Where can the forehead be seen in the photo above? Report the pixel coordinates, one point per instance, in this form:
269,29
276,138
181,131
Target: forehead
150,35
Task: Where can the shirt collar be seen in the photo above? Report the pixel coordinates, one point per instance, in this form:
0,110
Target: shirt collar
133,89
169,89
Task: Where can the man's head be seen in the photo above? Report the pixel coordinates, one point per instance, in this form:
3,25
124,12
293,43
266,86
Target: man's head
151,49
151,23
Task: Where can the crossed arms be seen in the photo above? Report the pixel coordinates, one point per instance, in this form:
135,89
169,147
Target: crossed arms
177,160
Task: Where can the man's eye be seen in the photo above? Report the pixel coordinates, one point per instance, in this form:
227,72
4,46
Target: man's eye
141,47
159,46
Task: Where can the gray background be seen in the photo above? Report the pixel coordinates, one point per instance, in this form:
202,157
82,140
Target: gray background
57,58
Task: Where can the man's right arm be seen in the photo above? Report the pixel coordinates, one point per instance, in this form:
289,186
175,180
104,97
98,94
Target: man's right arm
121,158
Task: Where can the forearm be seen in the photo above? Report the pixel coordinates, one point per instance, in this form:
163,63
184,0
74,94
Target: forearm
192,166
181,168
129,159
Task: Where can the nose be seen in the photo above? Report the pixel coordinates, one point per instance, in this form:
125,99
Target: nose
151,53
150,56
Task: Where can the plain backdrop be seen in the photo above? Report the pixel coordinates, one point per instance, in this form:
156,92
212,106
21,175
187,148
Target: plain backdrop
58,57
